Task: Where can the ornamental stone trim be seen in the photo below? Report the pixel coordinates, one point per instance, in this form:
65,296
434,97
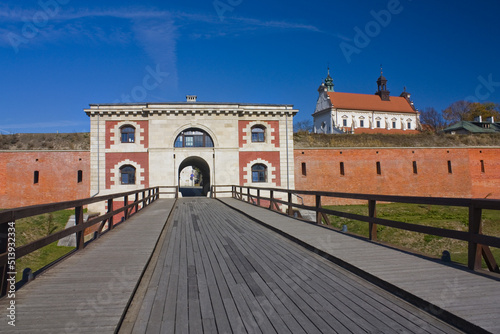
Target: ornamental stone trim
115,138
271,176
115,177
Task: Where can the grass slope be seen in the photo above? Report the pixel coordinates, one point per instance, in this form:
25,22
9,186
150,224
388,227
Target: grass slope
45,141
304,139
453,218
34,228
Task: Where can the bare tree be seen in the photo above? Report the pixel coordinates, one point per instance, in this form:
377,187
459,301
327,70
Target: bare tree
457,111
305,125
432,119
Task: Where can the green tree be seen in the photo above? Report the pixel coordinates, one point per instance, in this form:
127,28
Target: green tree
485,110
467,111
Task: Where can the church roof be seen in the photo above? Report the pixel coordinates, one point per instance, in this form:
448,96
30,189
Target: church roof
354,101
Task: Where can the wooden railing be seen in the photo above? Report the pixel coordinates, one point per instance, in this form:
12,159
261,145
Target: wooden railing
9,253
478,244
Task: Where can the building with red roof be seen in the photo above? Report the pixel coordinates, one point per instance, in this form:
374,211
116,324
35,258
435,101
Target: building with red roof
364,113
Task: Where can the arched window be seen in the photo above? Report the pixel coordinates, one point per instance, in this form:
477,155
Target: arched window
258,134
259,173
193,138
127,174
128,134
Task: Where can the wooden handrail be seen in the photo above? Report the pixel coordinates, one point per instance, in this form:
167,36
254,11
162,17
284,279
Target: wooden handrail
478,244
143,197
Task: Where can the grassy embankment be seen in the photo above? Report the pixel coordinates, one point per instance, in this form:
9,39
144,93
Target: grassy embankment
34,228
304,139
453,218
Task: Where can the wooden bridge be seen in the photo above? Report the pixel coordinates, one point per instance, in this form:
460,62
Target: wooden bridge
207,265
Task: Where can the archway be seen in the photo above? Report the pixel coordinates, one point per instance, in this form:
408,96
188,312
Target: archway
194,177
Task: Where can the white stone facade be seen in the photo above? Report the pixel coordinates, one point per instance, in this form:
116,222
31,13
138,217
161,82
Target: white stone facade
158,162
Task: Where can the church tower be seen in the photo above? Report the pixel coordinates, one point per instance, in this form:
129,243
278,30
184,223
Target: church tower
382,87
329,82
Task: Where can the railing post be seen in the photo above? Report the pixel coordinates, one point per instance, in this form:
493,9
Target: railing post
241,193
290,208
80,236
248,195
136,202
110,209
125,204
474,252
271,199
372,213
318,206
233,191
258,197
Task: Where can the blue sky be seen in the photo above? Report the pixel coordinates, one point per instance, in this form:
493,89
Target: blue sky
58,56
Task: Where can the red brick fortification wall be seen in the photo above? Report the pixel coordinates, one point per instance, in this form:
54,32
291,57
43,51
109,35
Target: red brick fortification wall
485,172
433,172
57,177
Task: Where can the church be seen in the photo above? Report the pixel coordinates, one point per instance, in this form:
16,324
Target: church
338,112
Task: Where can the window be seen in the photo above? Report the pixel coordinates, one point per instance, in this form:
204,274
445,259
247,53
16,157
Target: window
304,169
259,173
342,171
379,169
361,123
482,166
344,122
258,134
450,171
393,125
378,124
193,138
80,176
128,134
127,174
36,177
415,170
409,125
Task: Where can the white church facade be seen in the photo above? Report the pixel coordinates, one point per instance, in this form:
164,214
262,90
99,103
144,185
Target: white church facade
136,146
338,112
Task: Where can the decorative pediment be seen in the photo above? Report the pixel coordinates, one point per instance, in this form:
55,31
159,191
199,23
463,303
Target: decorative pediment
323,102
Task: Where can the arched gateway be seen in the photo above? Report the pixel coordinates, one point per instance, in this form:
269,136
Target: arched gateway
227,143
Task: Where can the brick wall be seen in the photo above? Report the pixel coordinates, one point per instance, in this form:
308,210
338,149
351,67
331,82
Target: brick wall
57,177
475,172
436,172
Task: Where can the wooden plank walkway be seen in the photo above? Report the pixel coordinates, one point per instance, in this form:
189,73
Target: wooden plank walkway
457,294
89,291
220,272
